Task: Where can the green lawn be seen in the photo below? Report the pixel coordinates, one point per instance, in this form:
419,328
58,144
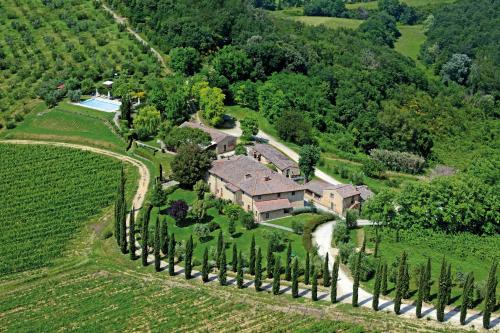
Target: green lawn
330,22
465,252
300,218
413,3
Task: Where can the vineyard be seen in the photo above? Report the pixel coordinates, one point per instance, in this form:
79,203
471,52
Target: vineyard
47,194
53,47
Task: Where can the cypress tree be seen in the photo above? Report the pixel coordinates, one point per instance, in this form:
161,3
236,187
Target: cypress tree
383,286
204,266
355,285
326,273
448,284
171,254
164,237
400,282
466,297
189,258
442,292
131,234
377,244
288,266
363,245
307,269
421,290
405,286
252,256
376,287
120,208
269,262
220,246
276,276
145,236
239,275
123,231
295,278
335,277
157,245
222,267
314,284
234,261
161,172
258,270
490,297
428,281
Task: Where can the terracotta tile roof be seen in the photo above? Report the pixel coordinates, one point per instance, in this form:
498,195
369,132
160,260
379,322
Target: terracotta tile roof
272,205
217,136
252,177
344,190
273,155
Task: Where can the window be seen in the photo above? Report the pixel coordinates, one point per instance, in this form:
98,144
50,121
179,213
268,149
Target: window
259,197
286,211
279,195
267,215
293,192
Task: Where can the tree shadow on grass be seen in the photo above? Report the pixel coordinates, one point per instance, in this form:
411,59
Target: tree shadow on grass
454,299
237,235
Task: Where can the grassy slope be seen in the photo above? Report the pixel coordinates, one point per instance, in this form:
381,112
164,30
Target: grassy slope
330,22
413,3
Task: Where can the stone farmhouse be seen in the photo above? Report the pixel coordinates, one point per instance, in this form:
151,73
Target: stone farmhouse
256,188
221,141
338,198
267,154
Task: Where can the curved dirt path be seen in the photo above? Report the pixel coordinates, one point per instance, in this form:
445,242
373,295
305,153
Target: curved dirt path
322,237
144,175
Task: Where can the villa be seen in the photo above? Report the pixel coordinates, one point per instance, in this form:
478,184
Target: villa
269,155
338,198
221,141
265,193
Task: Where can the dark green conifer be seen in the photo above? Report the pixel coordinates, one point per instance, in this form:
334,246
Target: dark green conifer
420,292
442,292
400,283
164,237
239,274
363,245
123,231
157,245
466,297
376,287
490,299
326,273
188,261
377,245
234,260
270,260
428,281
222,267
295,278
356,277
405,286
314,284
383,286
204,266
145,236
258,270
288,264
449,283
335,277
307,269
171,256
220,248
252,256
276,276
131,234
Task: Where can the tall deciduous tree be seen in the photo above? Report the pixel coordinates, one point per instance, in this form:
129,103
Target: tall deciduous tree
326,273
490,297
171,255
204,266
467,295
309,157
190,164
400,283
376,287
157,245
276,275
131,234
212,105
188,266
252,256
335,277
239,274
288,264
258,270
147,122
249,127
295,278
222,267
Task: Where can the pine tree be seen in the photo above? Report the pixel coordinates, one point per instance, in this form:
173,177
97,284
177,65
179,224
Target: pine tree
355,285
449,283
252,256
258,270
239,275
222,267
442,292
307,269
314,284
376,287
421,290
270,258
220,248
157,245
288,266
204,266
383,286
131,234
295,278
326,273
234,260
490,297
171,254
400,283
276,276
145,236
335,277
428,281
363,245
188,261
164,237
466,297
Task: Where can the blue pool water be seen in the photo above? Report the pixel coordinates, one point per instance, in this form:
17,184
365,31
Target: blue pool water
101,105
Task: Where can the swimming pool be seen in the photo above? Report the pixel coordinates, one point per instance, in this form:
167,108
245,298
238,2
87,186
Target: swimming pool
101,104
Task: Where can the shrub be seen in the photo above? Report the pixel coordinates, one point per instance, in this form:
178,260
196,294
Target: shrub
303,210
351,218
340,233
366,267
201,231
246,219
298,227
373,168
10,125
345,251
212,225
18,117
399,161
